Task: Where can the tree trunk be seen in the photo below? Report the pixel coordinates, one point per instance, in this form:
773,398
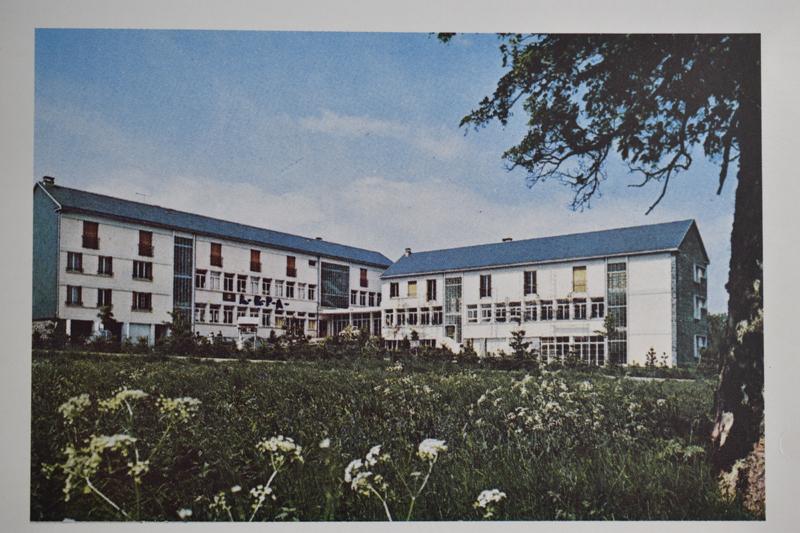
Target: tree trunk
739,396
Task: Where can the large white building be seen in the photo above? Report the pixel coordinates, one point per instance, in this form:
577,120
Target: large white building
558,290
146,261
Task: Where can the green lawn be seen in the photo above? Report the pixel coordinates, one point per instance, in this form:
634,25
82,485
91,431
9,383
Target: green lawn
560,445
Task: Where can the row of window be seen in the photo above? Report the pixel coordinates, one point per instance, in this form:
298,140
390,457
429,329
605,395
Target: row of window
105,266
217,314
253,285
426,316
141,301
364,298
576,309
411,289
91,239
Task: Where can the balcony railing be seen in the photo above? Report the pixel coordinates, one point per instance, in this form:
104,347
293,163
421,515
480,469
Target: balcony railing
255,266
92,242
216,260
146,250
291,272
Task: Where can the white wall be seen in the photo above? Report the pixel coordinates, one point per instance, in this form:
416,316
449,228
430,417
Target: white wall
649,307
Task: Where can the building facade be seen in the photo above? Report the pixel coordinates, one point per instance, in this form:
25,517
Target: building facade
650,280
147,261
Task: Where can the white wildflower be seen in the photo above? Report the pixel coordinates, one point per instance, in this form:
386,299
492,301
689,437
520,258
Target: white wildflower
429,449
487,497
122,395
325,443
281,447
373,455
236,488
183,514
74,407
178,409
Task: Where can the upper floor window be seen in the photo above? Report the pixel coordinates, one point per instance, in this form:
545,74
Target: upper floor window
74,295
146,243
394,290
142,301
700,344
90,235
312,292
363,278
241,283
103,297
266,285
579,279
412,289
142,270
291,269
279,288
301,291
362,298
312,263
372,299
486,312
290,289
216,254
598,308
515,312
105,265
227,283
579,309
255,261
530,311
74,262
500,313
353,297
486,285
431,290
699,307
472,314
699,273
200,279
547,310
529,277
214,281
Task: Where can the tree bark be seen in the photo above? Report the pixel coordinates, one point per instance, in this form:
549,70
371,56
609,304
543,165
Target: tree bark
739,397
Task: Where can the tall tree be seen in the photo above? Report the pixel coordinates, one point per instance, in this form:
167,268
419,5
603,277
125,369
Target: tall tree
654,100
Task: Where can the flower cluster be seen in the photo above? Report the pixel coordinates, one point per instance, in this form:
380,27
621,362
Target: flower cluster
178,409
120,397
429,449
73,407
81,464
487,501
280,449
259,495
362,480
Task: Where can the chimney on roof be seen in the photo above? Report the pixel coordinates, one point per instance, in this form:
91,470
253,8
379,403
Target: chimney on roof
507,239
407,252
48,180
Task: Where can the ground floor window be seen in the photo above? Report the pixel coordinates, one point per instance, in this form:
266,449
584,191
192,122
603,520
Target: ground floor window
213,313
700,344
227,315
436,317
266,318
200,313
591,350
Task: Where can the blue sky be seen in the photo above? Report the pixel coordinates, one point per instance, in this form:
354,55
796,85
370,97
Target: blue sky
350,136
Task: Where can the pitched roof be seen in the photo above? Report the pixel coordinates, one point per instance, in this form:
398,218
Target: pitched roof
620,241
117,208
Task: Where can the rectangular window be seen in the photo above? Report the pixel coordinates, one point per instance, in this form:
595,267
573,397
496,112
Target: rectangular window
142,270
241,311
530,311
103,297
301,291
200,312
214,281
372,299
105,265
255,285
388,318
547,310
266,286
700,344
291,270
394,290
74,262
278,288
228,283
241,283
280,321
562,310
598,308
312,292
515,312
699,307
436,317
74,295
255,261
353,297
290,289
378,299
362,298
699,273
213,314
363,278
90,235
401,317
227,314
266,318
216,254
425,316
486,285
312,263
145,243
579,309
500,313
412,289
472,314
579,279
200,279
412,316
142,301
431,292
486,312
254,312
529,282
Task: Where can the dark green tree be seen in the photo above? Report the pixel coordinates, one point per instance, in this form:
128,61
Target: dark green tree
519,346
654,100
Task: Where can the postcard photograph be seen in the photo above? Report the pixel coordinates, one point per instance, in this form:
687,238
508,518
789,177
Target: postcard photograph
368,276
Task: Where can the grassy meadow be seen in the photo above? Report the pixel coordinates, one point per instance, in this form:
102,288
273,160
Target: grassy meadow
127,438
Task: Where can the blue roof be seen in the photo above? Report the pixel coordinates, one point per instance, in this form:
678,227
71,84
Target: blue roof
98,204
620,241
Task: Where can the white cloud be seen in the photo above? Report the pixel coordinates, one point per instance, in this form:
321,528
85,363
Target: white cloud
443,143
